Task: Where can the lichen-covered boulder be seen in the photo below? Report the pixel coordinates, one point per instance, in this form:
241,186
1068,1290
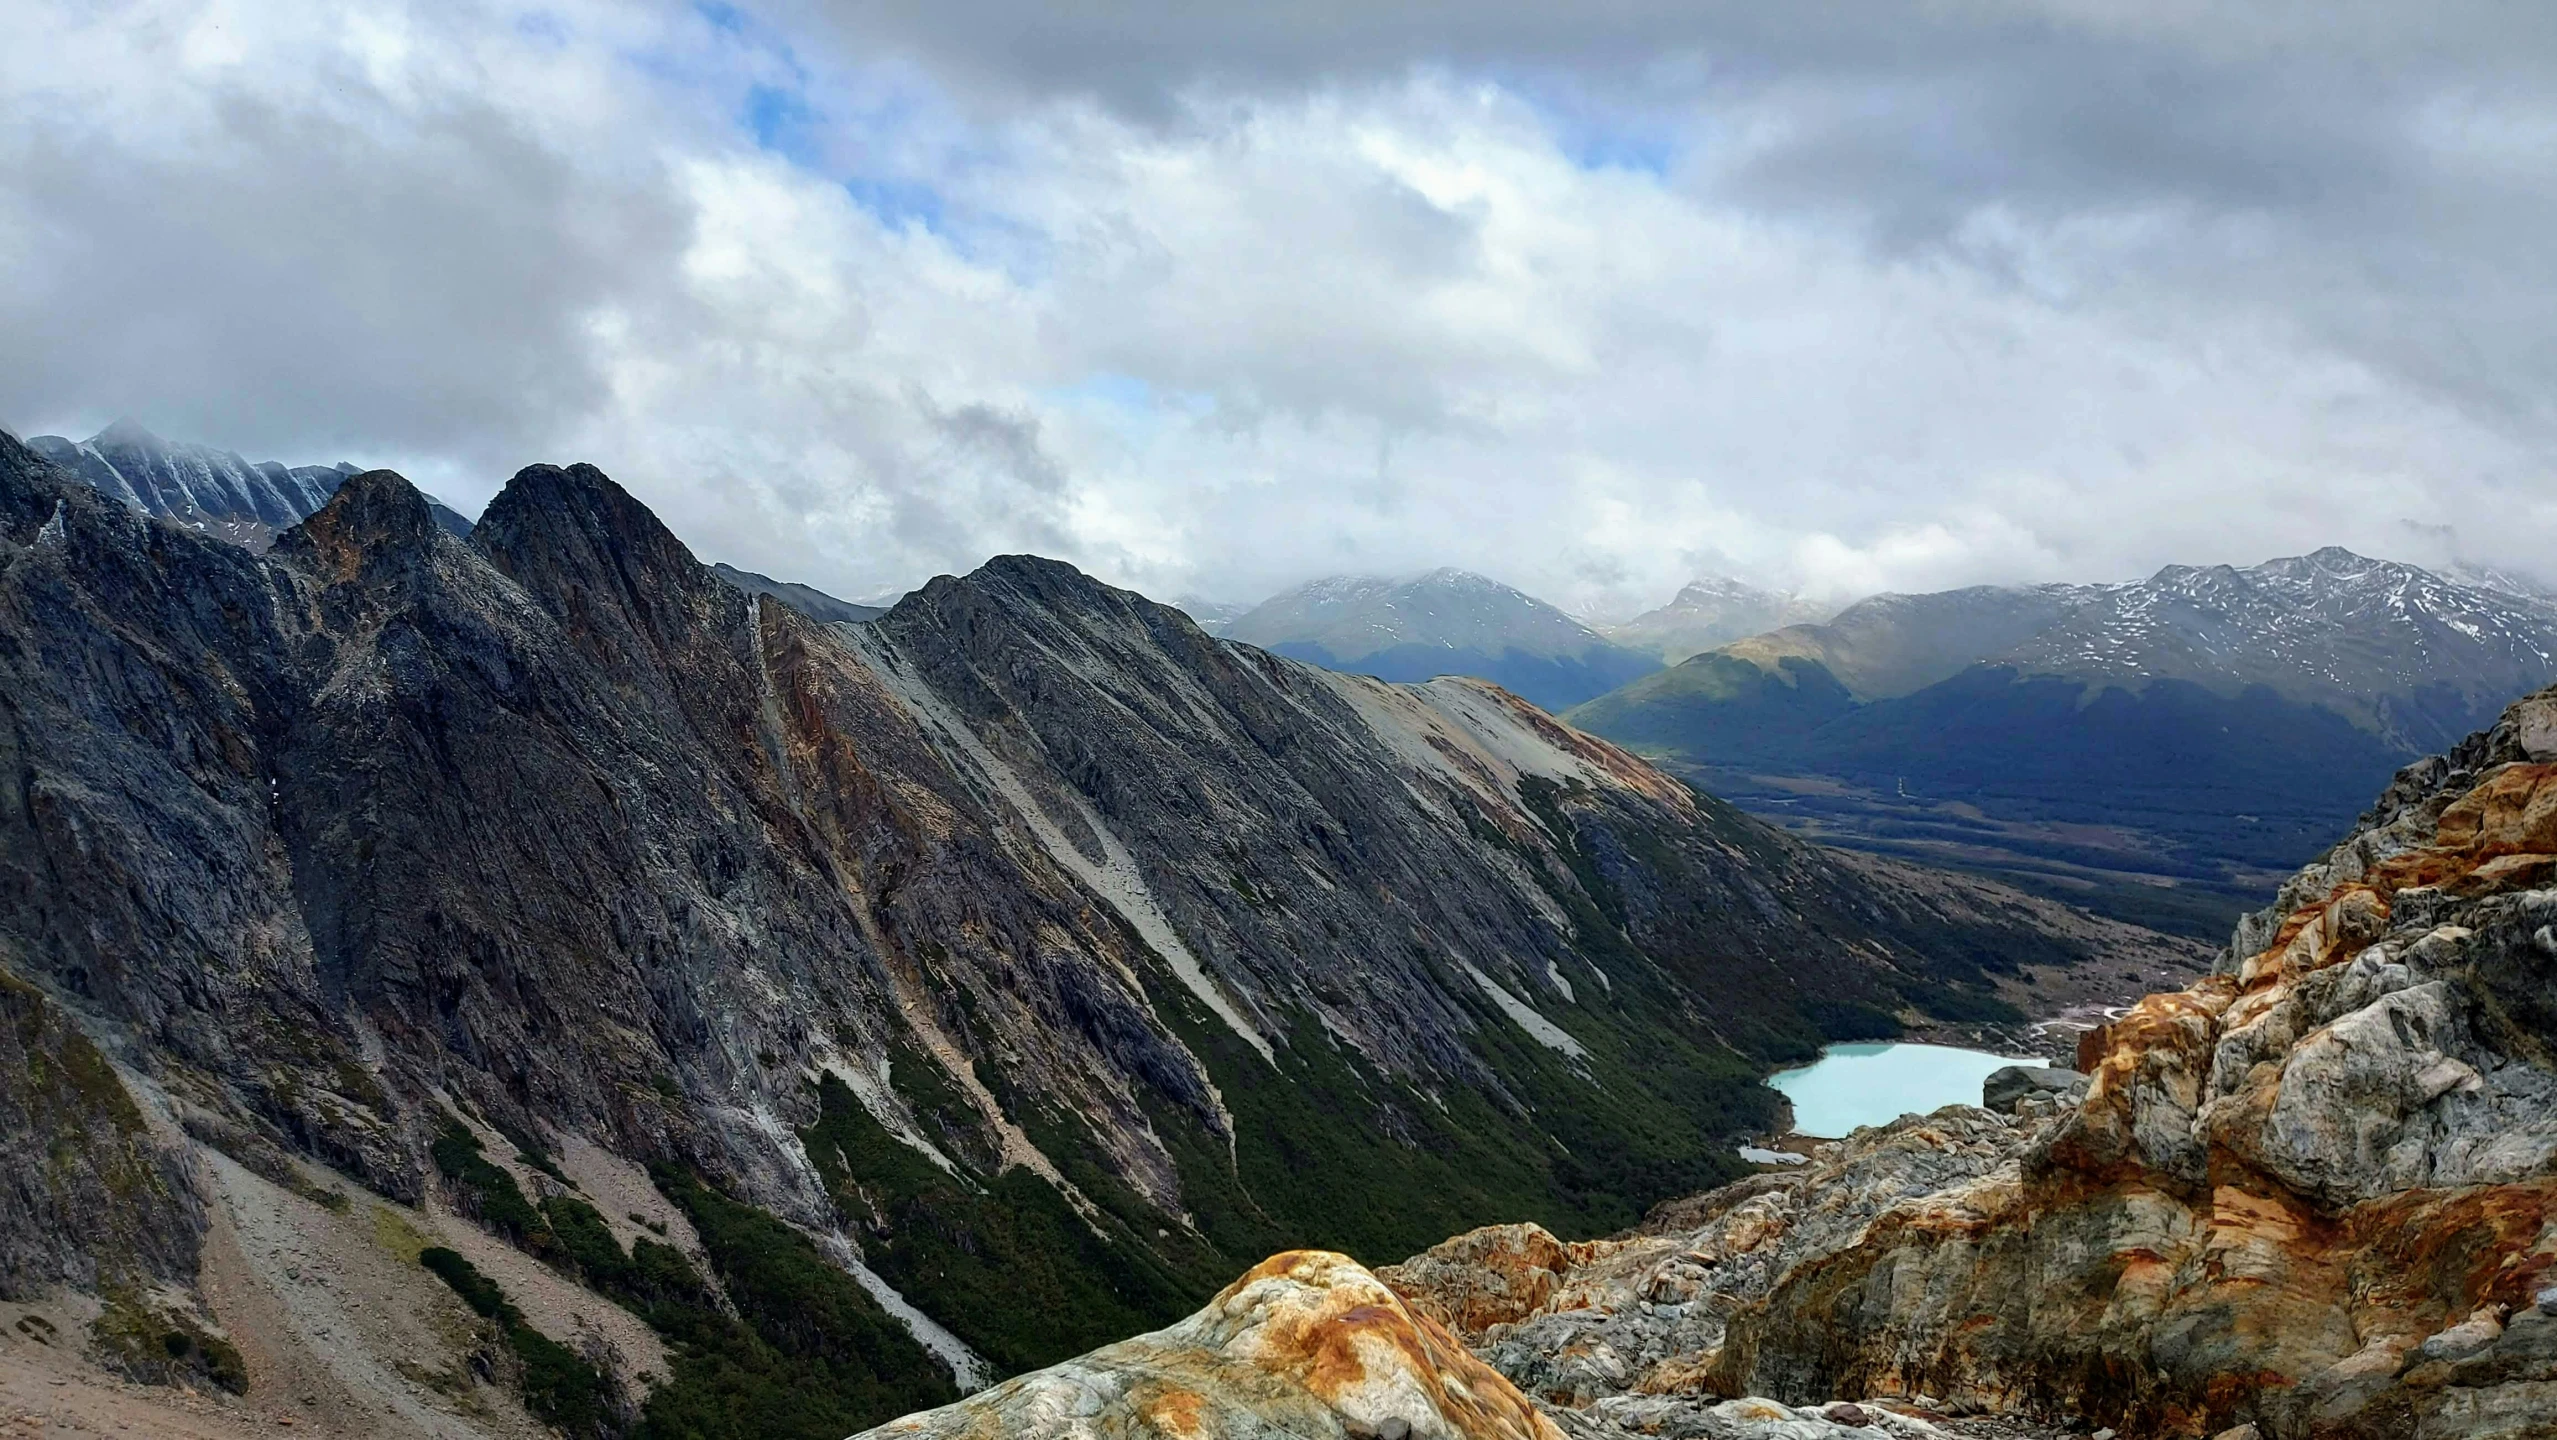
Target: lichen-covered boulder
1307,1345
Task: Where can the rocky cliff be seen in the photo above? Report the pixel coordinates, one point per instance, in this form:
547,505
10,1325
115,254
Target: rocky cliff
854,1011
2315,1193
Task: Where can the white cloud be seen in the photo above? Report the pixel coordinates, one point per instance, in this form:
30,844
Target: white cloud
1381,320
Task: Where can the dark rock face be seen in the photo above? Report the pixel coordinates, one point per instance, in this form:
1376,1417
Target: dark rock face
1112,926
88,1199
2005,1089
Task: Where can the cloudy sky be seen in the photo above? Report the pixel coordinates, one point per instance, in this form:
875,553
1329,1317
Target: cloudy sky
1212,299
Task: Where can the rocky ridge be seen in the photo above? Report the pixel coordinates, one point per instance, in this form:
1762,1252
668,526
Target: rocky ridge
2315,1194
806,599
213,491
863,1008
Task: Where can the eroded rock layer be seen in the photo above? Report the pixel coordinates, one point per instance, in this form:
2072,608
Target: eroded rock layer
2315,1193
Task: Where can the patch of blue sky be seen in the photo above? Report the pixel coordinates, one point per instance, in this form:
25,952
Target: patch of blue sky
782,122
900,203
1647,154
1129,404
709,66
878,133
1596,133
545,26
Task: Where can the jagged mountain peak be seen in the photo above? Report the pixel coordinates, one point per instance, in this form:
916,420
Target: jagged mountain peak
2329,627
375,517
1051,608
1038,570
573,524
127,431
206,488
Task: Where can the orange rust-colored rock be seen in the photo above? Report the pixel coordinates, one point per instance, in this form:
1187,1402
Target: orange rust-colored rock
2513,810
1501,1274
2314,1195
1307,1343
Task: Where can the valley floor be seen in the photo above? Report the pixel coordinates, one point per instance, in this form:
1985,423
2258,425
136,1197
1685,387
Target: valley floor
2126,871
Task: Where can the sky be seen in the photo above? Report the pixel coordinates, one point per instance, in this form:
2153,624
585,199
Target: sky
1210,300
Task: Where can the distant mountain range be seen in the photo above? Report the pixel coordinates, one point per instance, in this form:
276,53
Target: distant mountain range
810,601
2194,728
250,502
1710,612
243,501
1447,622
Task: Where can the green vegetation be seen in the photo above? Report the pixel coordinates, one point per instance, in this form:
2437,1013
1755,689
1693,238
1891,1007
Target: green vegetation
808,1355
1334,1154
161,1347
1004,1260
814,1358
485,1191
560,1388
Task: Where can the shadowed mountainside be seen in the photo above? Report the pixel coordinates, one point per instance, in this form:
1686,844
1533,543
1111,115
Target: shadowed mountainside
2157,751
1018,966
1447,622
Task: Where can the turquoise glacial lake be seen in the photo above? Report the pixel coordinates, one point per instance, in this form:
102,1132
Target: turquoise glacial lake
1852,1085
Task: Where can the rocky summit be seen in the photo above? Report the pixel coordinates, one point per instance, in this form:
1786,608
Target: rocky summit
471,984
1307,1344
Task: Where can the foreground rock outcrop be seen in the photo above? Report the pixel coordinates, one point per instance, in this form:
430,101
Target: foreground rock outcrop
2315,1193
1305,1344
1310,1346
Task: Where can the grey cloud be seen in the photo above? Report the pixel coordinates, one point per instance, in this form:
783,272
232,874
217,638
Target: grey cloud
288,283
2300,164
1009,441
1136,51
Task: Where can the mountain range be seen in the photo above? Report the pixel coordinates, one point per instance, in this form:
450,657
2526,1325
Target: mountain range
215,491
250,502
1447,622
2312,1196
1711,612
523,973
2189,731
